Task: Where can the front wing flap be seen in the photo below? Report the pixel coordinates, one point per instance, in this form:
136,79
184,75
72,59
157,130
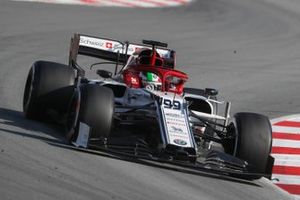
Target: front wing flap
213,165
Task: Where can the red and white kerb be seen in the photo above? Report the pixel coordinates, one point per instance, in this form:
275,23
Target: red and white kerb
286,151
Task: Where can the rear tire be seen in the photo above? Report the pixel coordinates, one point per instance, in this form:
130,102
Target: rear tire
48,84
254,140
96,110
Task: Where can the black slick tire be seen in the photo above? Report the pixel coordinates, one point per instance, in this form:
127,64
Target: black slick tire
96,110
48,84
254,140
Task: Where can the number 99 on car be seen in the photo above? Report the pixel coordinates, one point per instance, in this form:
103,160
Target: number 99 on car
170,104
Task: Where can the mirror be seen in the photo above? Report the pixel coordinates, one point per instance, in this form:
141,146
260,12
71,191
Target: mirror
104,73
211,92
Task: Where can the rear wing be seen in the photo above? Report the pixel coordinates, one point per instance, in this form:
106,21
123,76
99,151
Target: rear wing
112,50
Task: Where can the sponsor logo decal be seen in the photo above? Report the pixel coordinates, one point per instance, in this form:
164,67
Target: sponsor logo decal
180,142
88,42
150,87
177,130
134,80
108,45
118,47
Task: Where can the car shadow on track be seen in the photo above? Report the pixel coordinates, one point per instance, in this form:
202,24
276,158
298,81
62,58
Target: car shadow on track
12,121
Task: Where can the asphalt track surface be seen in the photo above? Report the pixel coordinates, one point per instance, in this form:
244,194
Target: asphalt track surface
248,49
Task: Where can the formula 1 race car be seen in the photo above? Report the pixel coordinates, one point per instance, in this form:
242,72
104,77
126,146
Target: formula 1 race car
143,109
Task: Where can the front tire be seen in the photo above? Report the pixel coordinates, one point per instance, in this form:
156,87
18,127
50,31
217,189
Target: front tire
96,110
254,140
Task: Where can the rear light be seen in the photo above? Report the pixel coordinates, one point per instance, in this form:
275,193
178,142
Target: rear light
132,80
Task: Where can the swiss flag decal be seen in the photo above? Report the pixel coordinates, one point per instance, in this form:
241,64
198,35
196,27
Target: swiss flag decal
108,45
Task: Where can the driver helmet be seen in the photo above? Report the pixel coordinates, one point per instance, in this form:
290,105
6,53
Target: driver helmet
150,81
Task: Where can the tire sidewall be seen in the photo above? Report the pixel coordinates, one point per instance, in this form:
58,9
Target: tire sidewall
253,140
96,110
44,80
